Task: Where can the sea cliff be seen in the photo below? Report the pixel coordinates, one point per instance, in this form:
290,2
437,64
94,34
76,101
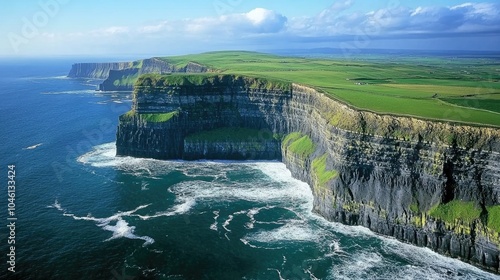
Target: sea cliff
121,76
96,70
432,184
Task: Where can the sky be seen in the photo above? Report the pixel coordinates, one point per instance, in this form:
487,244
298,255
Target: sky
149,27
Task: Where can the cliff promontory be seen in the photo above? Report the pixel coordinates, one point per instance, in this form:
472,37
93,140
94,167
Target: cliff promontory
121,76
432,184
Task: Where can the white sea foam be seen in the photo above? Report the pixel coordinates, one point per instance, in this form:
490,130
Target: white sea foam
435,264
358,266
33,147
215,223
276,171
227,222
277,188
46,78
56,205
251,215
215,191
279,273
298,231
82,91
120,229
105,156
178,209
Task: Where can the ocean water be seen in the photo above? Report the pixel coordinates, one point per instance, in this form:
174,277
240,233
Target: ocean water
85,214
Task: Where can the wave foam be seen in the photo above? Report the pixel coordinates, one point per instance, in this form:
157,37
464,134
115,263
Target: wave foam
119,230
216,217
33,147
122,229
272,186
82,91
178,209
297,231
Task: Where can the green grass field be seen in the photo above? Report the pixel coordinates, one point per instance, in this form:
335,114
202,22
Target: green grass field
465,90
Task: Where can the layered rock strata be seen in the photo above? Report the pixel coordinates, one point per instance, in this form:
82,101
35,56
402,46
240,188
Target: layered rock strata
96,70
432,184
120,76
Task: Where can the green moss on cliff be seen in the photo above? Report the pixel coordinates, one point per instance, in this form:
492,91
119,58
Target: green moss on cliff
153,83
128,116
414,207
456,210
158,117
299,144
236,134
319,169
152,117
494,217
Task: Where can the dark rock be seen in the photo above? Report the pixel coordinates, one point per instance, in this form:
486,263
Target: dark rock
391,170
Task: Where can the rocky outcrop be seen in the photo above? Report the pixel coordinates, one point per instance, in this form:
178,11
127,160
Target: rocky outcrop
226,101
96,70
121,76
432,184
123,80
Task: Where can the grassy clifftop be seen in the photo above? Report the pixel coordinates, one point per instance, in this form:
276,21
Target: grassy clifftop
156,83
463,90
460,90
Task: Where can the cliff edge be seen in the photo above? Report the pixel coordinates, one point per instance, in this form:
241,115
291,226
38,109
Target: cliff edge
432,184
121,76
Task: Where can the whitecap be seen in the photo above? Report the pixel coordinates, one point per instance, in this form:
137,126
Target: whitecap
179,209
122,229
297,231
144,186
119,230
216,217
82,91
279,273
33,147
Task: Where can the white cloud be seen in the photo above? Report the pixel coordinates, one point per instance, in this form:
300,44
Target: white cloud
263,28
111,31
266,21
164,25
257,21
467,17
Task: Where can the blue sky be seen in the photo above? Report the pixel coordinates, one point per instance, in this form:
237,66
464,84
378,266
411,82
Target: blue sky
131,27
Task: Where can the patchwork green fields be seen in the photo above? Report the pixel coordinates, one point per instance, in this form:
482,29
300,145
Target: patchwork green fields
465,90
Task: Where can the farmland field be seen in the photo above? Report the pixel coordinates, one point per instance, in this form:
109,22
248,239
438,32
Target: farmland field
465,90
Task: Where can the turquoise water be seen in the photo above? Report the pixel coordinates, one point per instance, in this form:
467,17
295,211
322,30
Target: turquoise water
85,214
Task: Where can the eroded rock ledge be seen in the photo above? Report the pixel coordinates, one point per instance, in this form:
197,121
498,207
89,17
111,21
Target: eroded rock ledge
432,184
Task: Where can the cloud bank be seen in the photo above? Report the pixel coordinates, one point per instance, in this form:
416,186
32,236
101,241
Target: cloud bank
264,28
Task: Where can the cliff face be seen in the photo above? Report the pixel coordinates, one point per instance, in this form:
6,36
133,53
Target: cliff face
124,79
121,76
96,70
224,103
428,183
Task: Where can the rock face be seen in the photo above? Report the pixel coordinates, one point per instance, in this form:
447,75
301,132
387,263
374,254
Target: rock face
96,70
120,76
264,149
399,176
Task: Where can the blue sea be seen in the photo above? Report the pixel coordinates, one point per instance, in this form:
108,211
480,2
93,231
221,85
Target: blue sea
83,213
